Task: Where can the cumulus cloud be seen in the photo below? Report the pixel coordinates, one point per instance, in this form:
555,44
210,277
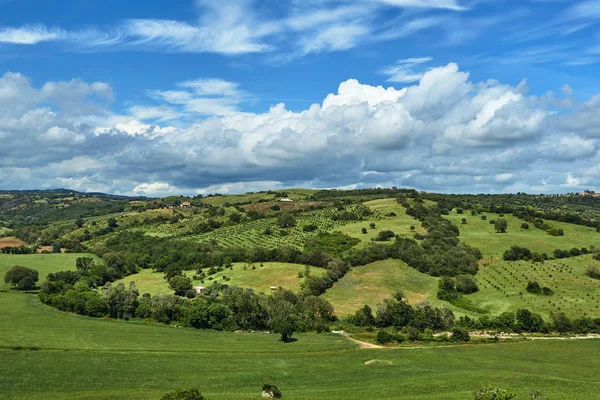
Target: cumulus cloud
443,133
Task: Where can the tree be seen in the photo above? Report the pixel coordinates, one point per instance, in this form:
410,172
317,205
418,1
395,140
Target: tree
364,230
286,220
524,225
84,265
501,225
180,284
188,394
122,301
112,222
372,225
22,278
79,222
466,284
492,393
463,220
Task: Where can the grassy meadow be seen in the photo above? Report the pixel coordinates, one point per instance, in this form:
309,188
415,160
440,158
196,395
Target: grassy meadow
371,284
481,234
47,354
260,279
399,224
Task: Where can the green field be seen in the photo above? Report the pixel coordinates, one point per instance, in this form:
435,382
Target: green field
260,279
400,224
47,354
481,234
43,263
371,284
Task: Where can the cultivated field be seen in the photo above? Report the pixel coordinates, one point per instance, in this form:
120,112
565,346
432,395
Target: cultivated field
11,242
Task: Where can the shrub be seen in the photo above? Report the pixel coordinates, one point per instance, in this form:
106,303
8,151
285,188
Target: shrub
492,393
383,337
188,394
483,217
460,334
384,236
524,225
593,272
310,228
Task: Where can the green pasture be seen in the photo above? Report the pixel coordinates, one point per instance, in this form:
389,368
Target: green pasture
371,284
47,354
260,279
481,234
399,224
43,263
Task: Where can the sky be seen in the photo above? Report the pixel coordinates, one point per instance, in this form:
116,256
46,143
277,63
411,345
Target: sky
157,98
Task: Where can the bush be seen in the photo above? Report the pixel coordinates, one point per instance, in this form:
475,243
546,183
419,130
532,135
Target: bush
385,236
383,337
593,272
188,394
310,228
524,225
483,217
492,393
273,390
460,334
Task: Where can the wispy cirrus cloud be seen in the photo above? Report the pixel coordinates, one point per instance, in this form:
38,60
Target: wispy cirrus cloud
406,70
233,27
29,34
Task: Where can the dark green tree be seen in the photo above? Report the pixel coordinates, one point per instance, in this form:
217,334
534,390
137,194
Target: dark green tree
180,284
187,394
22,278
501,225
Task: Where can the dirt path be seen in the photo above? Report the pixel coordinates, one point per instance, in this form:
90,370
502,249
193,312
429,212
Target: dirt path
367,345
361,344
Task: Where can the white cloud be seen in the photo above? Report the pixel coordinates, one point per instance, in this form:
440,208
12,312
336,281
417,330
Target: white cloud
443,4
404,71
443,133
31,34
154,189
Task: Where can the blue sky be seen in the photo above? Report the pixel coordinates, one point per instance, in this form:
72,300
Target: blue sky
199,96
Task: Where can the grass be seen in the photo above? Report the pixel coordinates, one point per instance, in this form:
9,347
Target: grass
43,263
372,283
400,224
260,279
47,354
481,234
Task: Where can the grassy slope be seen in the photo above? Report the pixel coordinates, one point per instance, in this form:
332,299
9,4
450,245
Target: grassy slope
84,358
575,293
400,224
481,234
260,279
371,284
571,286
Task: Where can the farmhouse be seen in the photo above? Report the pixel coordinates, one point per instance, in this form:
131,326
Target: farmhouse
285,200
590,193
185,204
199,289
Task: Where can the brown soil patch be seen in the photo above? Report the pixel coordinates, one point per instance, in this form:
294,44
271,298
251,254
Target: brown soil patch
11,242
48,249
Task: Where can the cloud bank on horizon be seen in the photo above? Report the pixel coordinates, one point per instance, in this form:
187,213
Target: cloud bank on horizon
424,123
